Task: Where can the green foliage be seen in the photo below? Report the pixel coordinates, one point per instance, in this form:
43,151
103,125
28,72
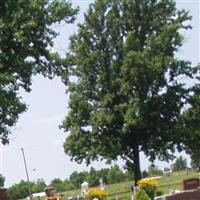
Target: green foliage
179,164
150,191
2,180
195,161
126,94
103,173
115,175
21,190
76,178
145,174
92,177
38,186
159,193
18,191
141,195
153,170
26,38
109,176
149,186
68,185
191,129
129,175
58,185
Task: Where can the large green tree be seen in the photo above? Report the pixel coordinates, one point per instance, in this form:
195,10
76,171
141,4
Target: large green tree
127,89
26,40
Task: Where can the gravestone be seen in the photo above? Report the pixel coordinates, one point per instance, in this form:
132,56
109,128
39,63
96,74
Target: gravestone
50,191
191,184
51,194
3,195
186,195
84,188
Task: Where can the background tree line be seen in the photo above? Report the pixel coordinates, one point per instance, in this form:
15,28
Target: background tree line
112,175
109,175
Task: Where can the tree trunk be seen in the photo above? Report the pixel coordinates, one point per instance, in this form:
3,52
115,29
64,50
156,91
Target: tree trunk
136,159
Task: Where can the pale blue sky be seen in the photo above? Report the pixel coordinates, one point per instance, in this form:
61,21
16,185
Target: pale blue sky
37,130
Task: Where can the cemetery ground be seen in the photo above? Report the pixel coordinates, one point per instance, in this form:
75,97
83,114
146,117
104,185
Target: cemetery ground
166,182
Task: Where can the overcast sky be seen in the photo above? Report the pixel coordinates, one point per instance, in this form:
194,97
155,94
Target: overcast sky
37,130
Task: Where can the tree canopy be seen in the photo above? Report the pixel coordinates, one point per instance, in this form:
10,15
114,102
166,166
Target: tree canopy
127,88
26,42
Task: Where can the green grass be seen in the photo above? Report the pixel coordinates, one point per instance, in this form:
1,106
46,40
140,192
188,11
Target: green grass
175,180
122,190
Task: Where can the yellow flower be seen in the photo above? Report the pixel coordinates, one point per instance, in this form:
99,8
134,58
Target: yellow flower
148,181
149,186
96,193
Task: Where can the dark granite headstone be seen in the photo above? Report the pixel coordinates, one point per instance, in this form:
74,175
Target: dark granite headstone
191,184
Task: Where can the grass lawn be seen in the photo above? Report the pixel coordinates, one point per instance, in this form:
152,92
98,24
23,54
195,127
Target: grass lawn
175,180
122,190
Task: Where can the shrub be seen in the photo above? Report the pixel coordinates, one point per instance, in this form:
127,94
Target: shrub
159,193
141,195
149,186
96,193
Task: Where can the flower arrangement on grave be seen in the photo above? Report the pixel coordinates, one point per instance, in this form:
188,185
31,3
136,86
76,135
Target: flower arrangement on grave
149,186
96,193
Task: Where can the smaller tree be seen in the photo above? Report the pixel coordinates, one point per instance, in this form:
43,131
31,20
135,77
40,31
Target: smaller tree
153,170
129,175
195,161
38,186
68,185
145,174
115,175
103,173
76,178
92,177
179,164
58,185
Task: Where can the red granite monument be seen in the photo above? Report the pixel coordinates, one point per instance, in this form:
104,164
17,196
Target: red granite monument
191,191
3,195
191,184
185,195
